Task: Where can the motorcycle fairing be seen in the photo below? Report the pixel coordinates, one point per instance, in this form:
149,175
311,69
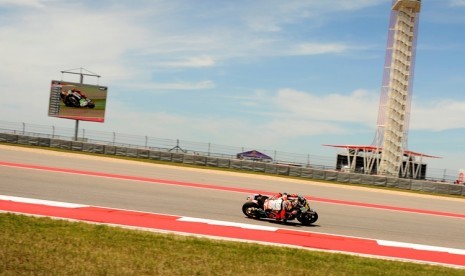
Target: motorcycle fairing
273,204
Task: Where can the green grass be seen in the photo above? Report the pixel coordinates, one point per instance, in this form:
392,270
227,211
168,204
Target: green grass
43,246
100,104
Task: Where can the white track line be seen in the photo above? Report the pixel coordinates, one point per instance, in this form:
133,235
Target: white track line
421,247
231,224
42,202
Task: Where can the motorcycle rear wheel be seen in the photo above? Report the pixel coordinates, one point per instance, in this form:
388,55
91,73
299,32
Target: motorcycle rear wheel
72,101
249,209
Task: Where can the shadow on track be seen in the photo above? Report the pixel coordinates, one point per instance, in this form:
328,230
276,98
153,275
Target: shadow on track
287,223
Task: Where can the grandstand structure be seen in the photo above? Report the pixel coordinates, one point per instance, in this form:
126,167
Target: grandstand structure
389,154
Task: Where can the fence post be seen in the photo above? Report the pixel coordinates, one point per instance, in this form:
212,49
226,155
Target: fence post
146,141
114,138
208,149
53,132
24,127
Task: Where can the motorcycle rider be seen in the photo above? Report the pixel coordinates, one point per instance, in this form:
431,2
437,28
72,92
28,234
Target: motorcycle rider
281,206
81,97
79,92
297,202
282,201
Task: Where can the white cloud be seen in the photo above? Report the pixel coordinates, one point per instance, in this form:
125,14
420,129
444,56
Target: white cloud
319,48
285,128
191,62
25,3
271,15
438,116
299,113
208,84
457,3
359,107
256,29
55,40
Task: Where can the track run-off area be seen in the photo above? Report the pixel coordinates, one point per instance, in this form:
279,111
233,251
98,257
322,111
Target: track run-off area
207,203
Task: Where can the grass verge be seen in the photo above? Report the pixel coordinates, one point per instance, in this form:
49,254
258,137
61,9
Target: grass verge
43,246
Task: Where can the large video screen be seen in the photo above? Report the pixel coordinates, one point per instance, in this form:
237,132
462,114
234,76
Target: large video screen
77,101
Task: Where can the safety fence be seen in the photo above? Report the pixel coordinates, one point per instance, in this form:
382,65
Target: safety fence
188,147
305,172
161,144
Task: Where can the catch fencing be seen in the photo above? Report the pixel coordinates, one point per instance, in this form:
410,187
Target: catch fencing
193,158
188,147
161,144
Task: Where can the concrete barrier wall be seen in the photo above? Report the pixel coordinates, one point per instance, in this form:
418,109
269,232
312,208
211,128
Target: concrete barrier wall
224,163
213,162
259,167
243,165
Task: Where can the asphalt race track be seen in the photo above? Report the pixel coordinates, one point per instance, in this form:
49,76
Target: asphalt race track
207,194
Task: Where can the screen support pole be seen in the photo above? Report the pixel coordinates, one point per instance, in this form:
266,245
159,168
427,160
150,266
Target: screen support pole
76,128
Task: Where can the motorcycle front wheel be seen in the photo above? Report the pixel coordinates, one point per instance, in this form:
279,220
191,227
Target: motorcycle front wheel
308,218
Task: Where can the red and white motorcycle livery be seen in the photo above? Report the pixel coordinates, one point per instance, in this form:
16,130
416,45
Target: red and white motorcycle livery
296,207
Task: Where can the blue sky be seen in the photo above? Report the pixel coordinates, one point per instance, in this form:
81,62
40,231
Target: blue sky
278,75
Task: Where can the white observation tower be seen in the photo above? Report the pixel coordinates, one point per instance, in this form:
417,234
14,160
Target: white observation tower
388,154
396,92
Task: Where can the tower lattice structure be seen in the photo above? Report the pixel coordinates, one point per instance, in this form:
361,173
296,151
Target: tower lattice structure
396,92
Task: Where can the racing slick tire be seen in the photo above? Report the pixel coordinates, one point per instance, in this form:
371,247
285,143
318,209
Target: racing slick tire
249,209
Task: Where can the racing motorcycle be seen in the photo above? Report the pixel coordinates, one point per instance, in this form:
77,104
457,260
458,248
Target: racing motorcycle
74,98
300,209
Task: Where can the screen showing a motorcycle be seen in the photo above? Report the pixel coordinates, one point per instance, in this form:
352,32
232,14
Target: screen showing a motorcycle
77,101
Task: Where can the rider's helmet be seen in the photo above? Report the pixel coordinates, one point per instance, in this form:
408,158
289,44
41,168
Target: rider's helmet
284,196
302,200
